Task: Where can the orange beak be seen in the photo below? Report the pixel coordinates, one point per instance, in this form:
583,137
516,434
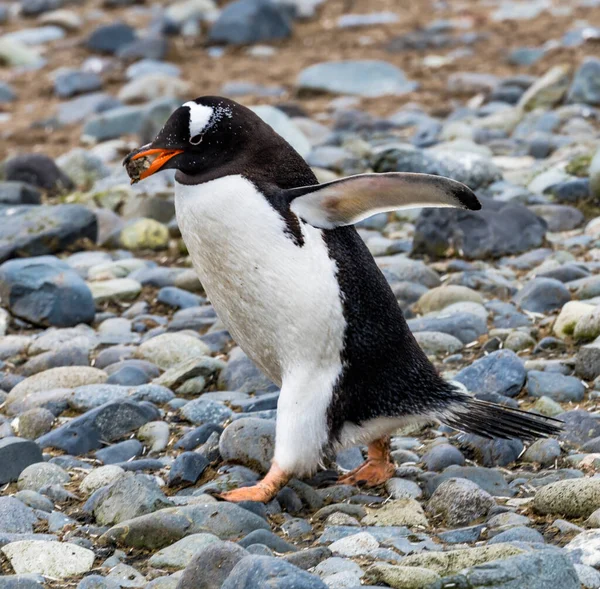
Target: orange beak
162,157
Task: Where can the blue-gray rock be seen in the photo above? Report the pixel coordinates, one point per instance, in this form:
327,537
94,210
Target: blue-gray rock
98,582
128,376
16,517
250,442
559,217
501,372
586,83
128,497
35,422
151,47
466,327
459,502
19,193
565,273
558,387
7,93
197,436
570,191
197,318
308,557
201,411
268,539
492,452
152,66
211,565
441,456
518,534
22,582
110,38
538,569
187,468
16,455
369,78
579,427
178,298
45,294
489,479
67,356
544,452
267,571
39,170
121,452
466,535
250,21
72,82
82,107
241,374
497,230
37,230
103,424
526,55
542,295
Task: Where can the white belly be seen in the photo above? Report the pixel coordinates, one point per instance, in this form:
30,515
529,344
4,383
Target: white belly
280,302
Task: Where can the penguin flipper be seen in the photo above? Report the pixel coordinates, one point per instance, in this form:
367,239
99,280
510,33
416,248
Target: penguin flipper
352,199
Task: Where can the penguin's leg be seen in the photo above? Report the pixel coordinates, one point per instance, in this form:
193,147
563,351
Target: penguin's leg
301,435
378,468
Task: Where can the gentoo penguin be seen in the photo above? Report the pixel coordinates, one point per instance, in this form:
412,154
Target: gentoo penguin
300,293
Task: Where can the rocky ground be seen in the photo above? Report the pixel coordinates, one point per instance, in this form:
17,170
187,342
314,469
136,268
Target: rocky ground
126,407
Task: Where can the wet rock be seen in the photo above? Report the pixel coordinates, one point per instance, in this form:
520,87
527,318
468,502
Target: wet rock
16,455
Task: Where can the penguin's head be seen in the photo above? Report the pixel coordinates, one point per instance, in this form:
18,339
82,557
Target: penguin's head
200,135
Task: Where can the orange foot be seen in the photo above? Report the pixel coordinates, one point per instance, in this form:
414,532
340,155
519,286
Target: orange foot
372,473
263,491
378,468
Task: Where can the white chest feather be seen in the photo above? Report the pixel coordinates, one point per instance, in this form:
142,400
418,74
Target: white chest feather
281,302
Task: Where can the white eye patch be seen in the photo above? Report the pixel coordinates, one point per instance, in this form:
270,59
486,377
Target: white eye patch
200,116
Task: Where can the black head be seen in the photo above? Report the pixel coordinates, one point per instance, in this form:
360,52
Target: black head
209,135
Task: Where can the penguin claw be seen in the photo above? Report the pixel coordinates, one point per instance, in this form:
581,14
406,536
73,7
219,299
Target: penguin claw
371,474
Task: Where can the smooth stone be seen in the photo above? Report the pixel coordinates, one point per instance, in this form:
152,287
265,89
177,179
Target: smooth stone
586,83
43,229
442,456
489,479
250,442
163,527
202,410
187,468
459,502
211,565
544,452
542,295
466,327
104,424
587,360
245,22
585,548
16,455
241,374
442,296
16,517
501,372
569,316
118,289
19,193
180,554
398,512
437,343
170,349
110,38
35,422
37,476
570,498
100,477
268,539
558,387
368,78
121,452
588,326
51,559
402,577
284,126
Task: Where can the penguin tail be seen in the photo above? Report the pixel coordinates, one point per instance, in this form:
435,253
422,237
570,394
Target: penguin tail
490,420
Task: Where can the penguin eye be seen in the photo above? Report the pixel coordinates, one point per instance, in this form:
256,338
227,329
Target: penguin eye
196,139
